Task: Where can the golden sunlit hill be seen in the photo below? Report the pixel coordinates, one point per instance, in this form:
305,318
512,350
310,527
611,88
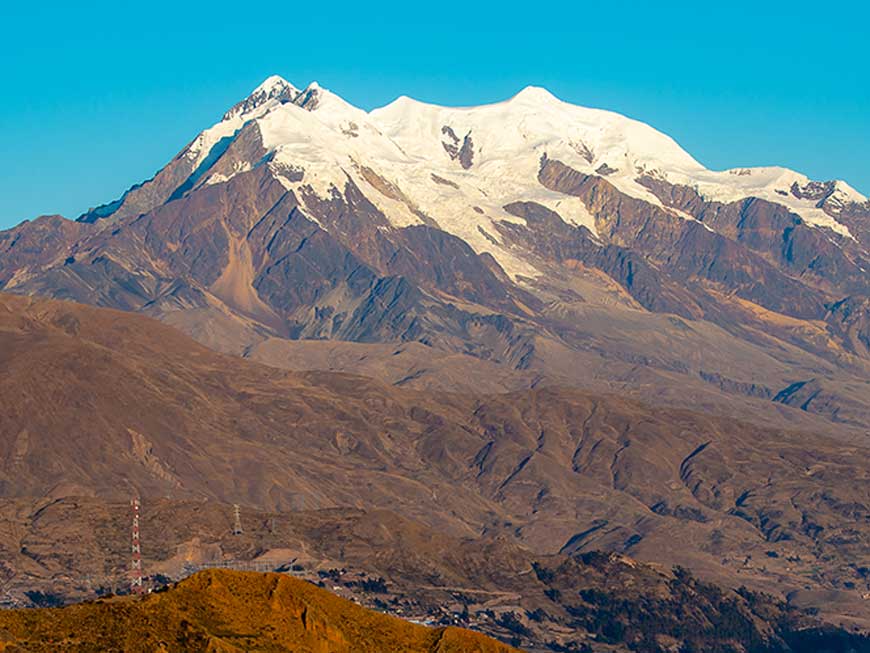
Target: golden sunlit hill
223,611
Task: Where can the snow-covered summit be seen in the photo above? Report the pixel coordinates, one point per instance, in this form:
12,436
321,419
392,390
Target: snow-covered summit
460,166
272,82
273,88
535,94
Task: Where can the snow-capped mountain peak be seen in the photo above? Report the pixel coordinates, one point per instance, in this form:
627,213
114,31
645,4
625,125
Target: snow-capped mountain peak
460,167
272,84
315,97
535,95
273,88
310,97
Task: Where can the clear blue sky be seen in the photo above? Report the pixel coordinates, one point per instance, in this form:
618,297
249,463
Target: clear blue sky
96,96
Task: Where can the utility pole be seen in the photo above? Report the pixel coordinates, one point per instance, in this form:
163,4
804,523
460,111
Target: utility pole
237,519
136,552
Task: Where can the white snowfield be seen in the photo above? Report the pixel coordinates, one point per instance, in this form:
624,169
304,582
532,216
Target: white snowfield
404,157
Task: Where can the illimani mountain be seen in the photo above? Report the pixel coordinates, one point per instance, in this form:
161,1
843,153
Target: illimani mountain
528,321
549,240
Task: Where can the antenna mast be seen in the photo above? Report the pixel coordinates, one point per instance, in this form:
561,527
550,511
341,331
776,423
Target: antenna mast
237,519
136,552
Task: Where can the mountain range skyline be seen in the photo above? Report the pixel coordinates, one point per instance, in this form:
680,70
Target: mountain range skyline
797,97
529,88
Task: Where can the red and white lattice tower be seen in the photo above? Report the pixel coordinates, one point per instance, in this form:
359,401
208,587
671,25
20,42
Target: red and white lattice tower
136,552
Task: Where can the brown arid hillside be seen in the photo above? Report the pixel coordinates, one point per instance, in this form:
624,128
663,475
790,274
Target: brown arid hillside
223,611
98,405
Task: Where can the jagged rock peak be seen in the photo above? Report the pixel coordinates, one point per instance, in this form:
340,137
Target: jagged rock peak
310,98
272,88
